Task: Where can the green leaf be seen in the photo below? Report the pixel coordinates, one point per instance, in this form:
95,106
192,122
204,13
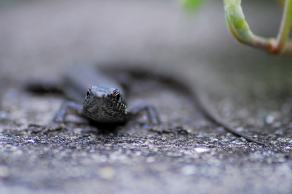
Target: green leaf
192,4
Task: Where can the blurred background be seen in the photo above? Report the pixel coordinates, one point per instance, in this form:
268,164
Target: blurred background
42,36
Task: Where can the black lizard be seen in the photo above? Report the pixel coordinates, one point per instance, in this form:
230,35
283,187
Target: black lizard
98,95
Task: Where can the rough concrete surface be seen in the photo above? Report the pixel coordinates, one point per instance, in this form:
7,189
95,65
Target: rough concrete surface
186,154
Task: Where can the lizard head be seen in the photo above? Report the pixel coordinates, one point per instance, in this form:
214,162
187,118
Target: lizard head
105,105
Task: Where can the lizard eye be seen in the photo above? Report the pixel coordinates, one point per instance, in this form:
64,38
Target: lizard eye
118,96
88,92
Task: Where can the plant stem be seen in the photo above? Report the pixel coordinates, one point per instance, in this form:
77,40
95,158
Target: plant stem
240,29
285,26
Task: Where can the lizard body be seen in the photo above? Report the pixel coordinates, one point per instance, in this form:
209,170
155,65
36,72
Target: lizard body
99,96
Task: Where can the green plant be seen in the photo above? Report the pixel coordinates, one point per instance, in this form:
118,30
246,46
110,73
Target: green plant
240,29
192,4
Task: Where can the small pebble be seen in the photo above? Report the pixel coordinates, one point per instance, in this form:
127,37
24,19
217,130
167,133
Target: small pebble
4,172
201,150
150,159
30,141
107,173
188,170
269,119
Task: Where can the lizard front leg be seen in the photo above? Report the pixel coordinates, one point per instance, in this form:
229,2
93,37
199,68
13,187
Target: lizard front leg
67,107
151,112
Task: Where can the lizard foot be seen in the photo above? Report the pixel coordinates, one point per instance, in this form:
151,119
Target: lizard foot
67,107
151,113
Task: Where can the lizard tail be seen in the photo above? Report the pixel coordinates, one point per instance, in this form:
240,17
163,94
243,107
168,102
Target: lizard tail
181,83
208,113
